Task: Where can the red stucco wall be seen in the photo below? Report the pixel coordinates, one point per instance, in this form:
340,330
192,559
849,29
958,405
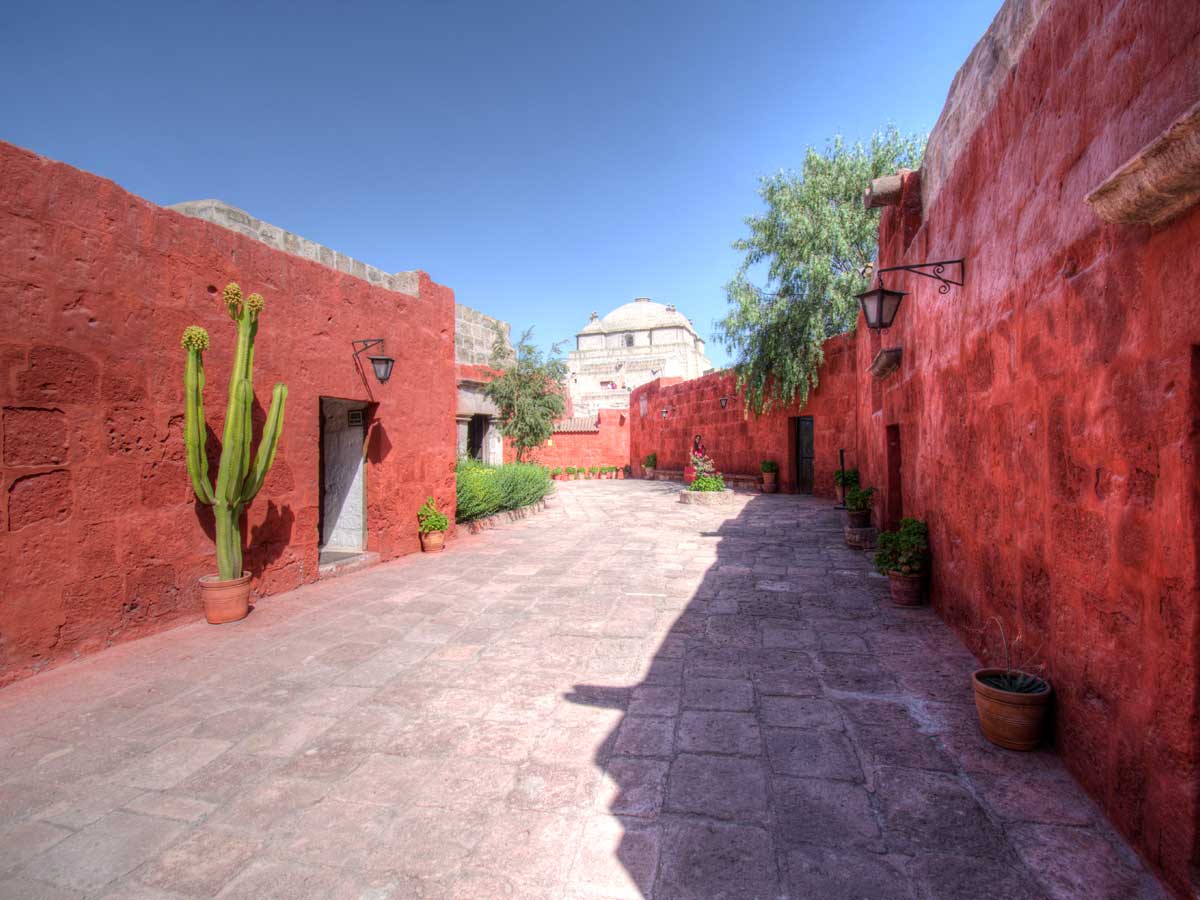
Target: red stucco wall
1048,410
738,442
99,532
608,445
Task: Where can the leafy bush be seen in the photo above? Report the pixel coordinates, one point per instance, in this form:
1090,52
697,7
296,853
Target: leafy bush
484,490
858,499
769,465
651,461
555,472
571,470
846,478
906,550
708,483
429,519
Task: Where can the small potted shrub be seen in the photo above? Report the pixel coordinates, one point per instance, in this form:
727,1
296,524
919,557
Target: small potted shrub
556,473
1011,702
622,471
707,482
649,464
858,506
627,471
903,556
770,474
845,479
432,525
570,470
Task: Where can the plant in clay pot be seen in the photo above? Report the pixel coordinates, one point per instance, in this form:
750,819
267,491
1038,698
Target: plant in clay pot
858,506
556,473
845,479
432,525
1011,702
649,464
227,594
903,556
770,474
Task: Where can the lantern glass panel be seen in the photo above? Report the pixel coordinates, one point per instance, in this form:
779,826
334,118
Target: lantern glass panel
382,366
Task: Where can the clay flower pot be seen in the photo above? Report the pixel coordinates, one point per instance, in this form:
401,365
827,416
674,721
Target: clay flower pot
1008,719
620,474
225,601
648,472
769,480
858,518
433,541
906,589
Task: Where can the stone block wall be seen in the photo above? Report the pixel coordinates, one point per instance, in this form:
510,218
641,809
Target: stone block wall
474,335
101,537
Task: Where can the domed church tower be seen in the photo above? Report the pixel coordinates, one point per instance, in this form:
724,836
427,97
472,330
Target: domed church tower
633,344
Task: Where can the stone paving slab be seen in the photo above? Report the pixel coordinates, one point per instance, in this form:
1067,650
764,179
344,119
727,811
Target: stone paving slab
621,697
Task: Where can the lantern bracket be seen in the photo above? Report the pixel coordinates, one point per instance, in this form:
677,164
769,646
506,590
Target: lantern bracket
937,273
366,345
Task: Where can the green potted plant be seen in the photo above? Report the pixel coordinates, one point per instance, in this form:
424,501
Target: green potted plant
770,474
556,473
432,525
570,470
903,556
649,464
845,479
627,471
858,506
226,594
1011,702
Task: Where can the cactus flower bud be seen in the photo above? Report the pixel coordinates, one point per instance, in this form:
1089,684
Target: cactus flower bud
194,338
233,299
254,303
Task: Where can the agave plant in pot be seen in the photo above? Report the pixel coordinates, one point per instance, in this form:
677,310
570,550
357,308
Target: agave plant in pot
1012,703
903,556
432,525
227,594
858,506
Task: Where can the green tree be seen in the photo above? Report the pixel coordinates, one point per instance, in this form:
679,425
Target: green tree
528,392
811,246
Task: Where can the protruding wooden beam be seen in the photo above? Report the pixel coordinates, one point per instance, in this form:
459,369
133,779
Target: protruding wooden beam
1161,181
885,191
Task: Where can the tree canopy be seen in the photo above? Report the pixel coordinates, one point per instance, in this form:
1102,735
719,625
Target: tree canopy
811,245
528,391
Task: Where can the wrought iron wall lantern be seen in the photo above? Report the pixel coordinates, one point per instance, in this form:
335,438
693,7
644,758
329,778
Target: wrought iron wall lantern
664,412
724,402
879,305
381,364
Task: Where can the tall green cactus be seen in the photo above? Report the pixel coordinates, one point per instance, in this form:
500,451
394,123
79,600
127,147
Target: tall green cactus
238,480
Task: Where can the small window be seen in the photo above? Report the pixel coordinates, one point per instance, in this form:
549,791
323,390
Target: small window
629,340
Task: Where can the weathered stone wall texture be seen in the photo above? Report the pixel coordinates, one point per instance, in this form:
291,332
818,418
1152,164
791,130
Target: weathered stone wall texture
100,534
1048,410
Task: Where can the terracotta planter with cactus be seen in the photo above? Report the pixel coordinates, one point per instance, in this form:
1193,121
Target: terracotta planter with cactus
227,593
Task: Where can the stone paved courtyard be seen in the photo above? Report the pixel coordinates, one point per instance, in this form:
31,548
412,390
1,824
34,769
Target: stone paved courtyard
620,697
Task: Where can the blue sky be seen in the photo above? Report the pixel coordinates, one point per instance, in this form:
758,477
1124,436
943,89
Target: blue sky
544,159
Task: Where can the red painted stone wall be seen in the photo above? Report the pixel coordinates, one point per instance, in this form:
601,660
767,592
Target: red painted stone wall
607,446
738,442
1049,411
100,534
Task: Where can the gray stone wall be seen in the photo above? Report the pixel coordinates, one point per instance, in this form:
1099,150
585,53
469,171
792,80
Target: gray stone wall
474,334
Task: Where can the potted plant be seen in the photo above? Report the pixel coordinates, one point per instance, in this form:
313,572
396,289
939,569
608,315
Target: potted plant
1011,702
649,464
858,506
432,525
770,473
580,473
845,479
627,471
622,471
556,473
227,593
903,556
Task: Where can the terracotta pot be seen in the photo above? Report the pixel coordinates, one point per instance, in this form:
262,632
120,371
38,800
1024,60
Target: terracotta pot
433,542
906,589
769,488
648,472
1013,721
858,518
225,601
769,479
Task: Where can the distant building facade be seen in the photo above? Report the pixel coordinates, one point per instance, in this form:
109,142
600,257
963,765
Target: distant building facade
632,345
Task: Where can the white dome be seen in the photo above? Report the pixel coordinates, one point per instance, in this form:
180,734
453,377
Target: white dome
641,315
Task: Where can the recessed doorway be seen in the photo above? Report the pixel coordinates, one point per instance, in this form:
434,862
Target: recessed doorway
804,453
343,512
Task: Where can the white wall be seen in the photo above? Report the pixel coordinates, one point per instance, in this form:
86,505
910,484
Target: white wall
343,504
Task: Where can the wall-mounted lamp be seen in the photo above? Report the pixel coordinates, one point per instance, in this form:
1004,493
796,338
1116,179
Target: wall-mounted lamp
381,364
879,305
664,412
724,402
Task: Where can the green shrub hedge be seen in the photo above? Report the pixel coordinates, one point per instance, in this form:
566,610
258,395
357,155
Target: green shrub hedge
484,490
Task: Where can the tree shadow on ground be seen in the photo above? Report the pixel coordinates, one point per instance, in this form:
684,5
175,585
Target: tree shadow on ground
791,736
